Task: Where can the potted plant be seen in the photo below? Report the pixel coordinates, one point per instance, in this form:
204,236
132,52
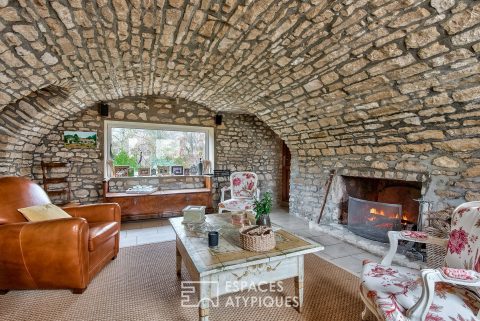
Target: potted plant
262,209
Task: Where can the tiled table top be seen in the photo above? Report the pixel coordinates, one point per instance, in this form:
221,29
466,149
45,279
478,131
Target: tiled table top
229,254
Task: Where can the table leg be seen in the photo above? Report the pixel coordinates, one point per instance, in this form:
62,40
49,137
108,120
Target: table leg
298,281
203,311
204,304
179,263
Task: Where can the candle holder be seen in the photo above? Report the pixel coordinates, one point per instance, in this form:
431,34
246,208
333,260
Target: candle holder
213,239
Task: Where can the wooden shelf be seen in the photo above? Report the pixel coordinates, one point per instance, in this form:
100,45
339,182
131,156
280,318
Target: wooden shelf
54,164
165,192
156,176
55,180
61,185
56,192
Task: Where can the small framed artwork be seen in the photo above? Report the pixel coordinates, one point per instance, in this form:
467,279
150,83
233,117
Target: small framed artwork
121,171
163,170
186,171
144,171
177,170
76,139
193,170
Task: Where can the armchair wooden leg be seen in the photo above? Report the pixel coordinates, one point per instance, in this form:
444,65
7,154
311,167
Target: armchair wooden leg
78,291
366,313
3,292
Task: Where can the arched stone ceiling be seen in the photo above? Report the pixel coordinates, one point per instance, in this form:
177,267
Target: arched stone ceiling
316,71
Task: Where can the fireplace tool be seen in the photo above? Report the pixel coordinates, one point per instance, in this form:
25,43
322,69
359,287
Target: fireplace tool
425,207
327,190
414,248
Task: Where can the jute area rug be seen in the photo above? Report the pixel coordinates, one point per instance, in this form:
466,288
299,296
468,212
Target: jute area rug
141,284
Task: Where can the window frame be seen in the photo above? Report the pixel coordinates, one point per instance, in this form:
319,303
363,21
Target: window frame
109,124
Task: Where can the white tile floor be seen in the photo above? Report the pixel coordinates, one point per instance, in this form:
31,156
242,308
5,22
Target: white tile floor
145,232
336,251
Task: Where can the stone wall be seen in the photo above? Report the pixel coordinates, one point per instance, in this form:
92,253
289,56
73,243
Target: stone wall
243,144
376,87
234,141
448,178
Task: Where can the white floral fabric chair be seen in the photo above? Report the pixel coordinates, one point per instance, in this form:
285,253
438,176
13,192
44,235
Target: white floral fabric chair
450,293
243,188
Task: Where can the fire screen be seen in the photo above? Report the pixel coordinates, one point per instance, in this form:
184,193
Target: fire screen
373,220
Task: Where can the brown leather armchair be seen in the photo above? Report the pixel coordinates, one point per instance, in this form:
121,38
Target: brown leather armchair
57,254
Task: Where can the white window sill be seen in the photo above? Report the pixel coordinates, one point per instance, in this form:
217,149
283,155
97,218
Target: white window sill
156,176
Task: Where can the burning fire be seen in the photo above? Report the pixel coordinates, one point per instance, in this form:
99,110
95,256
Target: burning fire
374,212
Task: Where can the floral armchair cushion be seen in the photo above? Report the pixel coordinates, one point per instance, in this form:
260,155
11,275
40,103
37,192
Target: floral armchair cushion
233,204
463,250
243,184
464,244
414,235
393,290
460,274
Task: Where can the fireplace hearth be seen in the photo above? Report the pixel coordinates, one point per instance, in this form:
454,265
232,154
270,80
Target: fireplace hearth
372,207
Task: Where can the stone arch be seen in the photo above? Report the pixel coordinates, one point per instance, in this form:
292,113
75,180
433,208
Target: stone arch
25,122
373,87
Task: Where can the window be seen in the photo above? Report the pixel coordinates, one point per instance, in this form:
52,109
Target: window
151,145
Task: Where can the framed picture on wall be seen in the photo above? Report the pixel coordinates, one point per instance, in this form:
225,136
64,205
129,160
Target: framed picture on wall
163,170
144,171
177,170
120,171
77,139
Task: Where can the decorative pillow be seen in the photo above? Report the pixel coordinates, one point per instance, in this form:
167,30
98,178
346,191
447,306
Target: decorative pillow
43,213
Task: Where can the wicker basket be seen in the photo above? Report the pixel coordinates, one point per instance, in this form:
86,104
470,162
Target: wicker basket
257,238
438,226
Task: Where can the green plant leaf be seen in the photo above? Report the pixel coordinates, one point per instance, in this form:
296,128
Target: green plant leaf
263,206
122,158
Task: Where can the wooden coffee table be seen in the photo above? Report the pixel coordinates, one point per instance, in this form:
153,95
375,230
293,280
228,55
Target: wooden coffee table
228,263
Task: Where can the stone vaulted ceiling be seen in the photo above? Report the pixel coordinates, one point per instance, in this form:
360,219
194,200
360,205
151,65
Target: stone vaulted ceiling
320,73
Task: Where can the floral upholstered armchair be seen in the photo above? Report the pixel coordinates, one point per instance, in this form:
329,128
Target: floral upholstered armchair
243,188
450,293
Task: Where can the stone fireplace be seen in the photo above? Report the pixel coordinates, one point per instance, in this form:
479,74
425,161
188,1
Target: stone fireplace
370,207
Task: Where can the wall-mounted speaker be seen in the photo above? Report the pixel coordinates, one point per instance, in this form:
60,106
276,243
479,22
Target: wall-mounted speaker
103,110
218,119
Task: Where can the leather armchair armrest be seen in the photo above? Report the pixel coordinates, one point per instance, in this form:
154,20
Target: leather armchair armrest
104,212
47,254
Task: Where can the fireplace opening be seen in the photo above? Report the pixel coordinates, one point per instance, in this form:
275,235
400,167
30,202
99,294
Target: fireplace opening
376,206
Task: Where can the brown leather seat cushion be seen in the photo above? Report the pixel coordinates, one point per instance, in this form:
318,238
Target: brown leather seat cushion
100,233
